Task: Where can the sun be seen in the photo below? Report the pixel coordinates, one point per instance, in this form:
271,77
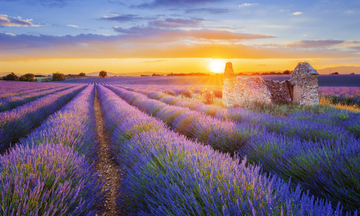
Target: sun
217,65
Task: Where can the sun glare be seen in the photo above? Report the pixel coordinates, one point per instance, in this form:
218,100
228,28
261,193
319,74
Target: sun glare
217,65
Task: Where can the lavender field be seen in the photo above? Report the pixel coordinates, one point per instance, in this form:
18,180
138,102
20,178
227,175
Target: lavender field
142,146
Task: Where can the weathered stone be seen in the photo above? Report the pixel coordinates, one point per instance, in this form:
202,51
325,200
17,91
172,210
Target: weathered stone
305,82
302,88
281,92
243,90
229,71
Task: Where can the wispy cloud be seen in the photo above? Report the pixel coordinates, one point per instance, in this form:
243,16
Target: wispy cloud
314,43
208,10
155,61
178,34
124,18
176,22
173,3
73,26
350,12
297,13
165,44
9,21
247,4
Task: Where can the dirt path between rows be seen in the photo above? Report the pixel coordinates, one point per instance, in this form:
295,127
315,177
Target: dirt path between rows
106,165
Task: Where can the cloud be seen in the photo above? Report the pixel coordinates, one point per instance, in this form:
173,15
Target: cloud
247,4
349,12
208,10
177,34
297,13
174,3
46,3
176,22
155,61
123,18
21,47
8,21
73,26
313,43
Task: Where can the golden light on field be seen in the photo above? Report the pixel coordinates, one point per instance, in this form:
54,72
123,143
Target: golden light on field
217,65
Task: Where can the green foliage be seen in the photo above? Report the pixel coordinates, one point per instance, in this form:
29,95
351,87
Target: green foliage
10,76
103,74
58,77
27,77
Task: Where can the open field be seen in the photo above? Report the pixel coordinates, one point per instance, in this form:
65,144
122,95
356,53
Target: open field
149,146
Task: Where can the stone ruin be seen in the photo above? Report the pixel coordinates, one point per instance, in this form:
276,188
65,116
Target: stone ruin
302,88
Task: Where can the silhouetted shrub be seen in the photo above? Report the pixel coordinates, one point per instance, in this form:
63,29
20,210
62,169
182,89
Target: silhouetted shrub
103,74
58,77
27,77
82,74
10,76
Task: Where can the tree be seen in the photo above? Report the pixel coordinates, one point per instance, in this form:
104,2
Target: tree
82,74
58,77
10,76
336,73
103,74
287,72
27,77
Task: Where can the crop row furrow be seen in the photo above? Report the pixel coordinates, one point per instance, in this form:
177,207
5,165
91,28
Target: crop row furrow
18,122
10,88
313,164
15,101
51,172
167,174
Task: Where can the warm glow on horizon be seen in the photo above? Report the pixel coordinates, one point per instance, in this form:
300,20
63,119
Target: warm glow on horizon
217,65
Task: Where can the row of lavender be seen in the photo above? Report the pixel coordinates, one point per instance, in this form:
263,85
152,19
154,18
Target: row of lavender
12,102
307,125
308,154
168,174
18,122
13,88
51,172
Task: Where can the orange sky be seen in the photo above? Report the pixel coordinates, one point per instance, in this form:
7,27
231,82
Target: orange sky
165,36
175,65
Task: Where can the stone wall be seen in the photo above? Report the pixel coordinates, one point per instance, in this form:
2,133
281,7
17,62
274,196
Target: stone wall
305,82
302,88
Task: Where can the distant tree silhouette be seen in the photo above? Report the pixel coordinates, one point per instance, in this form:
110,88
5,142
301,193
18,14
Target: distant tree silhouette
82,74
287,72
58,77
103,74
27,77
10,76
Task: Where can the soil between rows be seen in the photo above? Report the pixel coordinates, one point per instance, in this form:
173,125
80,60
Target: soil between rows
106,165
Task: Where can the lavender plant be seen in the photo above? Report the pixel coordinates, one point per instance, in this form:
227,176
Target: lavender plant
167,174
15,101
51,172
18,122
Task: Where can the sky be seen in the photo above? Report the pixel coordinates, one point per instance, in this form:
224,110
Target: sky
183,36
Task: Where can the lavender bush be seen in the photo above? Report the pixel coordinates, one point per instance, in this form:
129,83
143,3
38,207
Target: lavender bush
231,137
170,175
18,122
15,101
51,172
49,179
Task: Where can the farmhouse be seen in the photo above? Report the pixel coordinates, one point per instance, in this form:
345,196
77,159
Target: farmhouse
302,88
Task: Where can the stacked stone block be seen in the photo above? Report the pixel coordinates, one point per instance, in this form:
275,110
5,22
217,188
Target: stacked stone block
302,88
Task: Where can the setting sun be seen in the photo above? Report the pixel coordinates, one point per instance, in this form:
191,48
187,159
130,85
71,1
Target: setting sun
217,65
